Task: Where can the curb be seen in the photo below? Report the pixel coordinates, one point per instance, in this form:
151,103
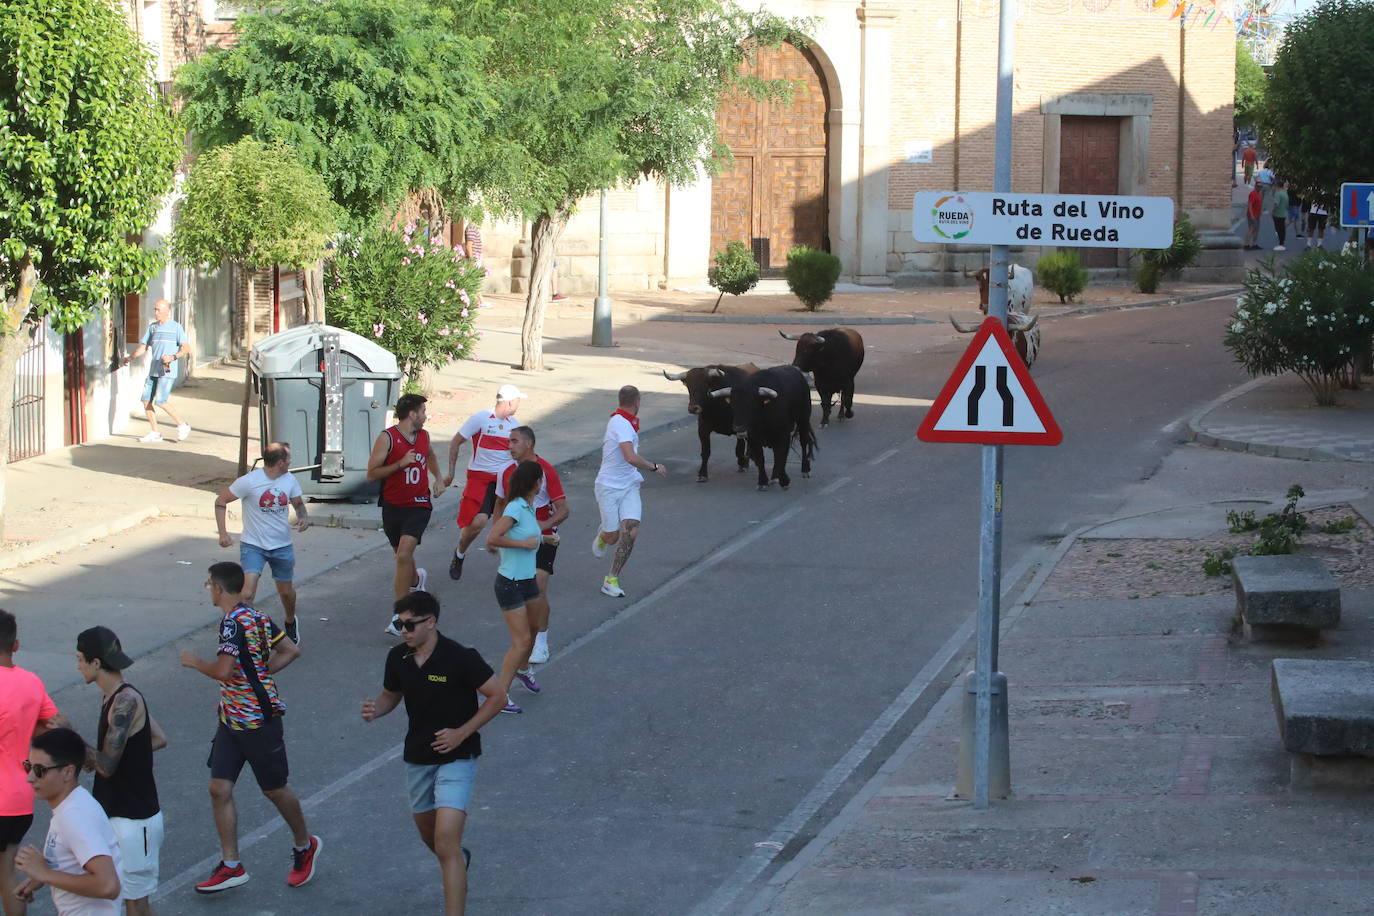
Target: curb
1151,303
75,537
1196,433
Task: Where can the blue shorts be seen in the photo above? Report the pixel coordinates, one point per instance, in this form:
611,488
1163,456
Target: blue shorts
282,560
446,785
156,390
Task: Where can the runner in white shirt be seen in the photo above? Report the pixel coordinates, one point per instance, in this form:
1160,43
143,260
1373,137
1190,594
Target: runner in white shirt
617,488
266,541
80,859
489,432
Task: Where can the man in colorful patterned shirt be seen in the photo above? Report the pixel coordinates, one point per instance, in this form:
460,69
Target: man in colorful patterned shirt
251,650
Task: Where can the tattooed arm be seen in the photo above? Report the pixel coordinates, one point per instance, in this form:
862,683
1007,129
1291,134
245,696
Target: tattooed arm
122,714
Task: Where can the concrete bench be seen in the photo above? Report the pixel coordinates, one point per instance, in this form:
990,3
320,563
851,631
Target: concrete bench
1285,597
1325,709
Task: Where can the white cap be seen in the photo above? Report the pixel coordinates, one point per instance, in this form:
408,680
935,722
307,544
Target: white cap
508,393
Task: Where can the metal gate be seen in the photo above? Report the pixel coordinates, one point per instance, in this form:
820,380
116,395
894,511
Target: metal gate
26,410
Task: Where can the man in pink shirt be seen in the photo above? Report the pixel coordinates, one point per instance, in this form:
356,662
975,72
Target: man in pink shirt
26,710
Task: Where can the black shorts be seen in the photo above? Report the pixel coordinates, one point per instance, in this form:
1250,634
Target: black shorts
543,557
515,593
262,748
1316,221
12,829
402,521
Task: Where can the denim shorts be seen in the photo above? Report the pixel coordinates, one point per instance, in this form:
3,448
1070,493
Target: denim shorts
282,560
512,594
157,389
445,785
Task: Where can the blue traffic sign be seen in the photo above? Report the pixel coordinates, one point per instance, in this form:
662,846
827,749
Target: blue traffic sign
1357,205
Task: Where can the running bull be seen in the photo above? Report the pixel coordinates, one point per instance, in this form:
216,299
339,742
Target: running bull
714,415
1021,324
770,407
833,358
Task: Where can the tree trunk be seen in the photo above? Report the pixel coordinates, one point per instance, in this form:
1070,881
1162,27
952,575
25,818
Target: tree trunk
548,229
249,334
13,342
314,292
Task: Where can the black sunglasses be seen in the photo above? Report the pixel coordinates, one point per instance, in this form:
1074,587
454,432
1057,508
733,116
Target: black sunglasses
410,625
40,769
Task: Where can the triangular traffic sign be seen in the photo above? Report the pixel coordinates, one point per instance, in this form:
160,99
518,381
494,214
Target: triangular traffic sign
990,398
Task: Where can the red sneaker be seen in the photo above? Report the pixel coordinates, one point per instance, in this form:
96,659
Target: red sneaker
223,878
303,863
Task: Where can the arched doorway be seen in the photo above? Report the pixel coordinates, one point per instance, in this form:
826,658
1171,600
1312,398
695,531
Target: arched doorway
775,194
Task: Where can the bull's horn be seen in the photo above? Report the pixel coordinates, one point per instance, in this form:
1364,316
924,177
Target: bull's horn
767,392
961,328
713,372
674,377
721,393
1026,327
970,275
787,336
821,338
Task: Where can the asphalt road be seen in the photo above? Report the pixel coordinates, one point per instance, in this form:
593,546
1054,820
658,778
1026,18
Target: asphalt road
731,698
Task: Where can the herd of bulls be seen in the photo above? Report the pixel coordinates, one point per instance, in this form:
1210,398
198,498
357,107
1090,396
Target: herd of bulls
770,408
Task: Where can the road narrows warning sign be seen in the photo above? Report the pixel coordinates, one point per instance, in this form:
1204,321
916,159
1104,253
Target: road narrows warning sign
990,398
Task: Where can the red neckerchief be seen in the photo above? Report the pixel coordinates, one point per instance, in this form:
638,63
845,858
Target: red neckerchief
622,412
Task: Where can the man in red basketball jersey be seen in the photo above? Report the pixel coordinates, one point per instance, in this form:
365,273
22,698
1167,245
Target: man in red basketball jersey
489,432
401,458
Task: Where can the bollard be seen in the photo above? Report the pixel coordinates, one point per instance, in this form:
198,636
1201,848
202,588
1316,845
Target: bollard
999,754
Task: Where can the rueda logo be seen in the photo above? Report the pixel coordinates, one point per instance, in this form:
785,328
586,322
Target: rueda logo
952,217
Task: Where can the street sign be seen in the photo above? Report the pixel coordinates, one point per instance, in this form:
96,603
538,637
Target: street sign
1063,220
990,398
1357,205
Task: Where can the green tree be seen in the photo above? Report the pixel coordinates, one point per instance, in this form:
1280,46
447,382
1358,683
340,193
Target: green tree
88,150
1250,86
381,97
1311,126
590,96
253,205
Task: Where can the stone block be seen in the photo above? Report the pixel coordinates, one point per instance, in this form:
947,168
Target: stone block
1286,591
1325,707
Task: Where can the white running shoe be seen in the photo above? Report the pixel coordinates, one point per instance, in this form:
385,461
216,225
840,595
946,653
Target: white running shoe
611,586
422,576
540,653
183,430
153,436
391,630
598,547
1280,248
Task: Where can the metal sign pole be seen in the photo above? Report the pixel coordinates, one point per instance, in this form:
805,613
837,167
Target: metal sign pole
990,521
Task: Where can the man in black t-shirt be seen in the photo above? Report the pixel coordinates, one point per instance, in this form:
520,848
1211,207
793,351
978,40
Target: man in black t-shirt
439,680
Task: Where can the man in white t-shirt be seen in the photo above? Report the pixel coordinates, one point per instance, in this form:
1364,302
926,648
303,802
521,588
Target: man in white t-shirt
617,488
489,432
80,858
266,539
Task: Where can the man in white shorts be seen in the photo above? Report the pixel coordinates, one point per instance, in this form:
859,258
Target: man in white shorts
617,488
489,433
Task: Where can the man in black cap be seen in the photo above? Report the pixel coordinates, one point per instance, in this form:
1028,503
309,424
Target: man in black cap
123,763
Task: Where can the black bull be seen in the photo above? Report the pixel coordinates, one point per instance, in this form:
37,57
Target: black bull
769,407
833,358
714,415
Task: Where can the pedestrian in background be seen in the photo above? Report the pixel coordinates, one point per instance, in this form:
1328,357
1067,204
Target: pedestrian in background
617,488
251,650
1279,211
1248,159
168,342
1295,211
266,540
440,680
126,737
489,433
516,534
26,710
1254,207
80,857
1316,225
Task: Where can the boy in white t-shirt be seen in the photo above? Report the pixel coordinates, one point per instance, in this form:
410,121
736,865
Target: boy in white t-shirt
266,539
617,488
80,858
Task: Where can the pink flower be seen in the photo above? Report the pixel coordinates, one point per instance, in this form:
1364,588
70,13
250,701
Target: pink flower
377,330
458,249
463,295
429,283
410,227
463,313
406,239
405,260
486,272
443,301
449,284
423,319
451,357
444,332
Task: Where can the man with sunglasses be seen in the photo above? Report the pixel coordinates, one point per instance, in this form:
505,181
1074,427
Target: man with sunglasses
80,858
439,679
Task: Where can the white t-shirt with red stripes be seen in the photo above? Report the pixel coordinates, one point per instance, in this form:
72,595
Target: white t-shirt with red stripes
550,489
490,438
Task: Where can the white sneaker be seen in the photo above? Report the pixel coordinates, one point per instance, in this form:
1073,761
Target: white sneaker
1279,248
423,578
611,586
183,430
598,547
153,436
540,653
391,630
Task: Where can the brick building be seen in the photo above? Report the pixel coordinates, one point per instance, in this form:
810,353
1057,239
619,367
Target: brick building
1111,97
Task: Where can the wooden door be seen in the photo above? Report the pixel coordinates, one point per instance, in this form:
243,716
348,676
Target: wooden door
774,194
1090,163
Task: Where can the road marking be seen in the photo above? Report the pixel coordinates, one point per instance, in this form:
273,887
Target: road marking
874,462
835,485
763,854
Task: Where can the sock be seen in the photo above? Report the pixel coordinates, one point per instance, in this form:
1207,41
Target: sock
462,555
233,864
295,848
